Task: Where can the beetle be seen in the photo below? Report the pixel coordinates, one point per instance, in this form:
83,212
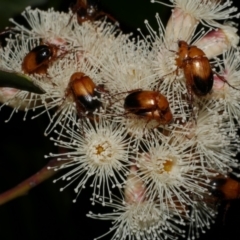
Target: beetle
149,104
85,10
225,188
85,93
38,59
197,70
88,10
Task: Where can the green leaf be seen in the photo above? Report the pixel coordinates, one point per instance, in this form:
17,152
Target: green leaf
14,80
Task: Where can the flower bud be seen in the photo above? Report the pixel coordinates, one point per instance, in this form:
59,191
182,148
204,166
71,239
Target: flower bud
218,41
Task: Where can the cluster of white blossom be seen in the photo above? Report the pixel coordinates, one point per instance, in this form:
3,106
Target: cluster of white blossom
126,116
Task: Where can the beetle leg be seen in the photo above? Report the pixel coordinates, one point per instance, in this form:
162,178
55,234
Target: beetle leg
190,95
225,81
148,120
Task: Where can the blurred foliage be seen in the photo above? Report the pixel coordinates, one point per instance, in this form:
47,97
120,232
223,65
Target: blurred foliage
45,213
11,79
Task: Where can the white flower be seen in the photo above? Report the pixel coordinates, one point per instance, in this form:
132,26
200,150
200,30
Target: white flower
7,94
205,10
125,71
202,216
139,221
50,26
127,68
180,25
101,150
58,94
92,38
170,78
226,87
170,168
98,40
219,40
11,57
135,217
76,45
213,141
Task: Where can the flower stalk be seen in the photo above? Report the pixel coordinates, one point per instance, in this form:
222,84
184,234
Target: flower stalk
24,187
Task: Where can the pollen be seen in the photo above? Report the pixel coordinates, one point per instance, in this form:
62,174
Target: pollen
99,149
167,166
101,153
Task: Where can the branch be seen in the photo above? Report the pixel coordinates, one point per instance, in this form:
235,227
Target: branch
24,187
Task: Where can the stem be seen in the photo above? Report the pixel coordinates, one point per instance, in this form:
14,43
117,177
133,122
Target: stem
37,178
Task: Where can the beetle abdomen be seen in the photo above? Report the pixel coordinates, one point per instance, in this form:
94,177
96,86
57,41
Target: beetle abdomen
84,92
202,76
89,103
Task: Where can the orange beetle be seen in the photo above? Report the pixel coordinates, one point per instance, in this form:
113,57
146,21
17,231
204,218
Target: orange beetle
38,59
149,104
225,188
196,68
88,10
84,92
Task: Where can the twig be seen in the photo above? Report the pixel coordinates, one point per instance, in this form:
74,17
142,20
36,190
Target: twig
37,178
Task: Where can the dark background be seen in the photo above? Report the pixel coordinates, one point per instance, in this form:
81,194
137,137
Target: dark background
46,213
